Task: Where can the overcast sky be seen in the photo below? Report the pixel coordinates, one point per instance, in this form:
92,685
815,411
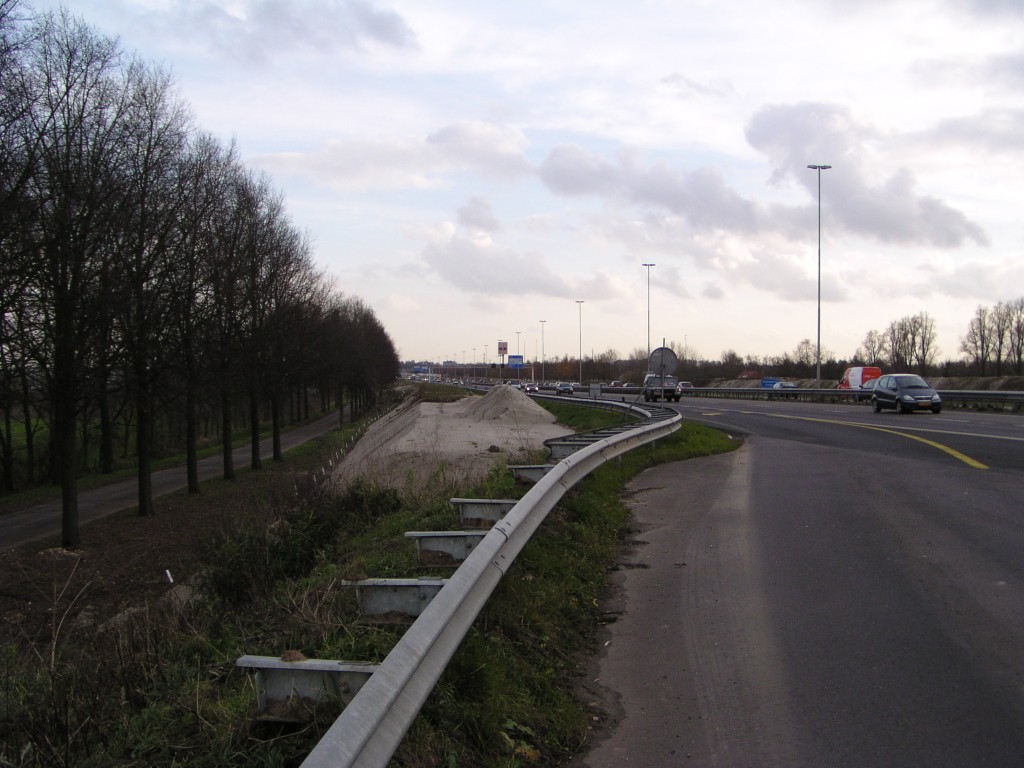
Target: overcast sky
470,168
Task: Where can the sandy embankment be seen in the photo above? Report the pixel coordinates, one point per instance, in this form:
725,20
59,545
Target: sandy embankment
449,442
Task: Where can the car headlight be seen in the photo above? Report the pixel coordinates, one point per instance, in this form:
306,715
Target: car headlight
907,398
936,399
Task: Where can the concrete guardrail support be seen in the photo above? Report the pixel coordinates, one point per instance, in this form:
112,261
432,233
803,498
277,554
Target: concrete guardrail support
456,544
287,691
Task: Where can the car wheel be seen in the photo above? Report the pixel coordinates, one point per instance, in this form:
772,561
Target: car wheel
899,407
937,410
875,405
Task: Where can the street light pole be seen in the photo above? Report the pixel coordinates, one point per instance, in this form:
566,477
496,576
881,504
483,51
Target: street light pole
819,169
517,354
543,374
648,309
580,303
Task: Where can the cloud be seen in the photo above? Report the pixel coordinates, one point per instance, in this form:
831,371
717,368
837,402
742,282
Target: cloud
688,88
1006,70
475,264
483,148
489,148
996,130
701,196
478,214
889,209
264,30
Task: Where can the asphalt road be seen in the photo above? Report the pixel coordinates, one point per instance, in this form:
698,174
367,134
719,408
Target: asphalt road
43,520
845,590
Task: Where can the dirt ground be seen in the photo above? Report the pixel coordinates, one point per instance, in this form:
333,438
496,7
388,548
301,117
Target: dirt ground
128,561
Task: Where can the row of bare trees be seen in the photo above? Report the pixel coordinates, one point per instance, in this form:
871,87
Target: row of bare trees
147,278
994,341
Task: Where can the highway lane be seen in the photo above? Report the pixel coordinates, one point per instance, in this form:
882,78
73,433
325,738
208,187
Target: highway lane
835,593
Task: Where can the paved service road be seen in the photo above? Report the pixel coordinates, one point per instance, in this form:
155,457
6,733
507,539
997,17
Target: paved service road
24,526
835,593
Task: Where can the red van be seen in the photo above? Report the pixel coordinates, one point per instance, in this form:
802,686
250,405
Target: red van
857,377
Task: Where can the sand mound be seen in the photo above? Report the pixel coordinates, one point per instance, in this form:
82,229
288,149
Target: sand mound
505,403
450,442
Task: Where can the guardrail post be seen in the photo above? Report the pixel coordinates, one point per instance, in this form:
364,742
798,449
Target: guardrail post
380,597
288,690
482,513
530,473
456,544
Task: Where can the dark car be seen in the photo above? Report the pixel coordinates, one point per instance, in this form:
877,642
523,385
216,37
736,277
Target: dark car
905,392
563,388
865,390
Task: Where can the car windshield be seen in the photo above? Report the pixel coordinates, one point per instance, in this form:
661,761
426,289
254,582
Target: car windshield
913,382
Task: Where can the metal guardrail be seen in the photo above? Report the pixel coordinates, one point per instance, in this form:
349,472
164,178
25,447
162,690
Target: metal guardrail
1007,400
370,728
1011,400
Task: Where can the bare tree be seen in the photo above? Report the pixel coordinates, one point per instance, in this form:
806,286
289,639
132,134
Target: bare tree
871,349
75,191
899,343
1000,320
155,132
204,172
976,343
1016,334
922,335
805,354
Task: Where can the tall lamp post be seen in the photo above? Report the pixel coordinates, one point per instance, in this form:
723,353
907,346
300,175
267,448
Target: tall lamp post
648,309
543,375
579,302
819,169
517,354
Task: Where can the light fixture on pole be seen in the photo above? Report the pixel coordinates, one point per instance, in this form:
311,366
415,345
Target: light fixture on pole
819,169
648,309
543,374
580,303
517,354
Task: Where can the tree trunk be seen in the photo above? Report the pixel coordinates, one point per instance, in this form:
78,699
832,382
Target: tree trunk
191,438
65,461
8,452
275,425
225,436
254,431
26,412
106,430
144,449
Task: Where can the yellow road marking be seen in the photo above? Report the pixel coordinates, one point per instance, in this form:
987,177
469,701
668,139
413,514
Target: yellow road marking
944,448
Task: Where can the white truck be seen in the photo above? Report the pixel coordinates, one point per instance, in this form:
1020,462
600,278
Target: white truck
658,386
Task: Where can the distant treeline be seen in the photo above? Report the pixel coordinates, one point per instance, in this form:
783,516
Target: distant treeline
152,288
993,345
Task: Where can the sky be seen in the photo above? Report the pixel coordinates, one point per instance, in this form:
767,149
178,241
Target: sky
470,169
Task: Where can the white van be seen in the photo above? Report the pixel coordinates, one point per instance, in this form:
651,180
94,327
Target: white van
857,377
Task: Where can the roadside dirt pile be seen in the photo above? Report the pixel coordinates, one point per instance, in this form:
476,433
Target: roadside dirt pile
450,442
508,404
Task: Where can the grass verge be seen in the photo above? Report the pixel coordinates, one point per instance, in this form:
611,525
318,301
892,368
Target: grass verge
158,686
